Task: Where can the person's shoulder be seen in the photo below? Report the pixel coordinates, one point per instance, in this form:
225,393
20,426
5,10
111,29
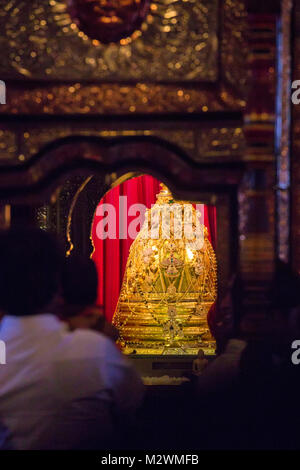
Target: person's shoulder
88,343
90,336
235,346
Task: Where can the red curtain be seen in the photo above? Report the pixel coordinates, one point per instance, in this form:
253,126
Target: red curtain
111,254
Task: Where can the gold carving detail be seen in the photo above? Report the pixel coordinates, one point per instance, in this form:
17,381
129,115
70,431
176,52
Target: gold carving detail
169,284
178,41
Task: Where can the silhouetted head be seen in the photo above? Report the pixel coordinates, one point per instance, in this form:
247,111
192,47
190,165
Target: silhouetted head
79,282
79,292
30,270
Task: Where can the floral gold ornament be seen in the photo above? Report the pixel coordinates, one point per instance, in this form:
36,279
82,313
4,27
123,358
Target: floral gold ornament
108,20
169,284
179,39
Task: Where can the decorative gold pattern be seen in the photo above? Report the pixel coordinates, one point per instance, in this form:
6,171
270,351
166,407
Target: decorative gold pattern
178,41
206,144
142,92
221,142
33,140
110,99
234,47
169,283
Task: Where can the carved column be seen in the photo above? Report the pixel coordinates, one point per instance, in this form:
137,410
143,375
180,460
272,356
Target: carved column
257,197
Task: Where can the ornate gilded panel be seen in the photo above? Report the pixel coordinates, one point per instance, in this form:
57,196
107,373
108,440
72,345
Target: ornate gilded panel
187,56
221,142
32,140
204,144
176,41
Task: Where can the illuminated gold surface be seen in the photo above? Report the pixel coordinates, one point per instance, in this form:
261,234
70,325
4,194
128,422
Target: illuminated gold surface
112,98
221,142
168,288
234,46
149,62
178,41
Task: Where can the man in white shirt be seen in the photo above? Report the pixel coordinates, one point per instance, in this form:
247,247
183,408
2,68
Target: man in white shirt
58,389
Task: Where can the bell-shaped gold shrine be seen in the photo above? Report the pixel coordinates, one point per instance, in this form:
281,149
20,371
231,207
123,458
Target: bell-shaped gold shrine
169,284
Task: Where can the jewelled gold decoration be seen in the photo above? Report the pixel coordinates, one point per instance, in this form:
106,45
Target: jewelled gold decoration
149,61
221,142
169,284
78,98
108,21
234,47
178,41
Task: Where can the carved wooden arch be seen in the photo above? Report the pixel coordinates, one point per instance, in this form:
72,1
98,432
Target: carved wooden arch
35,181
93,164
84,168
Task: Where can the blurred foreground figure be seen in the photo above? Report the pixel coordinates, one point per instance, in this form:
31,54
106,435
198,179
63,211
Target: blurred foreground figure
222,373
59,389
79,296
250,392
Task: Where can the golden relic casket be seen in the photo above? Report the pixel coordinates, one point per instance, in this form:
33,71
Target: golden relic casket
169,283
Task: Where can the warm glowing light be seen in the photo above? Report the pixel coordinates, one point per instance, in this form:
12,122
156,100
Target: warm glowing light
189,253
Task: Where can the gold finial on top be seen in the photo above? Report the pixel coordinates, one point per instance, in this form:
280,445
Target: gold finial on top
164,194
164,187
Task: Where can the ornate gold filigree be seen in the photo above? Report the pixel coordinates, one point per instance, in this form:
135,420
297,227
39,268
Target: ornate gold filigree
188,54
178,41
221,142
234,47
169,283
78,98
